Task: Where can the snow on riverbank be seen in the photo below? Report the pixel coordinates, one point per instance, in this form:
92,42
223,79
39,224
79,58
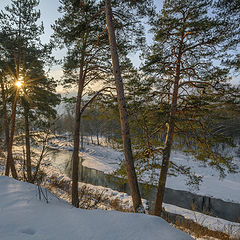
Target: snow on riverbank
212,223
24,217
226,189
100,157
107,159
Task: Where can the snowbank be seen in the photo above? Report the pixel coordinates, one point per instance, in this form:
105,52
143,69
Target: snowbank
213,223
23,216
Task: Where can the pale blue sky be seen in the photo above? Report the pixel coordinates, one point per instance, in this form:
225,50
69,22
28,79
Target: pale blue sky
49,14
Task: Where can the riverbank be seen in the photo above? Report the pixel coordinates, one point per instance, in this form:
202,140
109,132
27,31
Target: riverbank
104,198
106,159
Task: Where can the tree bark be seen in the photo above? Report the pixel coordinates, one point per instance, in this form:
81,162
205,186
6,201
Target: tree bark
27,143
5,115
75,156
132,178
169,139
166,156
10,161
98,143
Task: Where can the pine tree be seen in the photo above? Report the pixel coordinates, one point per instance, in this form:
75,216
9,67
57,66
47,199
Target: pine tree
24,61
228,13
81,30
132,178
114,48
189,81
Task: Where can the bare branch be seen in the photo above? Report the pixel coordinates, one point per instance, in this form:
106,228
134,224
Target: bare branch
93,98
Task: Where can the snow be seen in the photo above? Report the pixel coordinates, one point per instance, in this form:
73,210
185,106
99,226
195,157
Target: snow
213,223
125,201
226,189
23,217
55,166
107,159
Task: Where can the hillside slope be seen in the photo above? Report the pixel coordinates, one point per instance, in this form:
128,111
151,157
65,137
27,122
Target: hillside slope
23,217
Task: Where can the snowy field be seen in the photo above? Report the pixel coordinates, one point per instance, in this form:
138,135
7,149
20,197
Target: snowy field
24,217
107,159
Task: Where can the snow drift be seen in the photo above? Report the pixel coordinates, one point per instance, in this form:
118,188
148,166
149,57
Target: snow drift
23,216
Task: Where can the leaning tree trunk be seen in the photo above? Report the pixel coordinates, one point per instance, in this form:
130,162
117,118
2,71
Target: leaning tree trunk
168,143
165,165
132,178
27,143
10,161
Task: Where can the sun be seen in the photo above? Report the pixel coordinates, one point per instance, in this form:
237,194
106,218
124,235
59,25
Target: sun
19,84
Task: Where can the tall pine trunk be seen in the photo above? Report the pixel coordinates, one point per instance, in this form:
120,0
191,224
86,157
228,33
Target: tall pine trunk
5,116
132,178
169,139
166,156
75,156
27,143
10,161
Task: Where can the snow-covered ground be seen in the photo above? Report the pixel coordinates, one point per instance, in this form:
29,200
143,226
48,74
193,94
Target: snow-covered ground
107,159
227,189
125,201
23,217
54,166
215,224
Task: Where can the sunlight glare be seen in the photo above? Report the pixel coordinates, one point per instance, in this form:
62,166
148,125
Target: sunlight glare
19,84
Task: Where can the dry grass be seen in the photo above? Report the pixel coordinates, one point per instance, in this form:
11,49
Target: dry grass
88,198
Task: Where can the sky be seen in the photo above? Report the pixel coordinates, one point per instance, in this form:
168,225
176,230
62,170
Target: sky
49,14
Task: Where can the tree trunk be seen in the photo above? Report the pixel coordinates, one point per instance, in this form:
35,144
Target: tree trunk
27,143
75,156
82,141
165,165
168,142
10,161
5,115
132,178
98,143
91,139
